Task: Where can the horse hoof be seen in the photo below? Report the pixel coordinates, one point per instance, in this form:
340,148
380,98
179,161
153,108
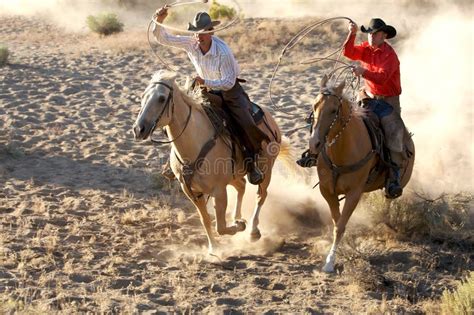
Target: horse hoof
255,236
328,269
240,225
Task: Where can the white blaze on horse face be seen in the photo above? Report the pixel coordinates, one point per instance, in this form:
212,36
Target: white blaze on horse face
154,104
315,140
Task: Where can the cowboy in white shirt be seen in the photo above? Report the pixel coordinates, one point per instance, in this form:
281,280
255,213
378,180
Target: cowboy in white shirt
217,70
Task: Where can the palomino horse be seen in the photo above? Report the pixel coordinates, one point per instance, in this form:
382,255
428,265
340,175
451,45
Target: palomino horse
346,158
203,160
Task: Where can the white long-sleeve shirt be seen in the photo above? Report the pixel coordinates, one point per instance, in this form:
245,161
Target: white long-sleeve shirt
217,67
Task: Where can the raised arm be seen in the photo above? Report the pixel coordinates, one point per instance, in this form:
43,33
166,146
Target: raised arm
165,38
350,50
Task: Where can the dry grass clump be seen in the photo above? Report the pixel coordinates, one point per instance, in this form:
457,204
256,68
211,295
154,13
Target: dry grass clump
460,301
4,53
10,147
221,11
104,24
445,217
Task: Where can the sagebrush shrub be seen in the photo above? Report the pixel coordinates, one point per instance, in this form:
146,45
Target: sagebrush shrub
217,11
104,24
460,301
4,53
445,216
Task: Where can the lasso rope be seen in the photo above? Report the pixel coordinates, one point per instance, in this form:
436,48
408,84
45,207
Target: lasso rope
295,40
178,3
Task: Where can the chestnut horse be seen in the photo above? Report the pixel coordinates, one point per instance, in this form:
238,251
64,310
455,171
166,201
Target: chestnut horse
203,159
346,158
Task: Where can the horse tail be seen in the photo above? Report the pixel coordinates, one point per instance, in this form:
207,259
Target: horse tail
287,156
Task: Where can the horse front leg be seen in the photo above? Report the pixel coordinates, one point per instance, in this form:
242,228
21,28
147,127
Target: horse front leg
200,204
220,206
333,202
352,199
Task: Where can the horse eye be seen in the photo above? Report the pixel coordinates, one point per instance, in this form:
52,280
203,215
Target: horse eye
161,99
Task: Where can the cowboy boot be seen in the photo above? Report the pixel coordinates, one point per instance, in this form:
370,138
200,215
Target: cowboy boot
307,159
393,188
254,175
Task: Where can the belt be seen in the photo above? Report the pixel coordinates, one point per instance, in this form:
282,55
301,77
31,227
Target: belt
377,97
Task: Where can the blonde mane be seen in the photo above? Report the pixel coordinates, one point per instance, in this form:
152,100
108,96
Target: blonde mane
192,97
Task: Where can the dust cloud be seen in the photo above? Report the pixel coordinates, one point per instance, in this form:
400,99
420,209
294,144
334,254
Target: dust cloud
437,100
72,15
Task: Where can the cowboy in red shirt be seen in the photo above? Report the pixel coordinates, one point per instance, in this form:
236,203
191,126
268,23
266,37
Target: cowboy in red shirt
380,67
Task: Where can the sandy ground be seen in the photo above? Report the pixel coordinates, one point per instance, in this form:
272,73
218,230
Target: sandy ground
87,224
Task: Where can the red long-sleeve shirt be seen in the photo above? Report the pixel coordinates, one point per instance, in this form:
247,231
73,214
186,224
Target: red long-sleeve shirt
382,74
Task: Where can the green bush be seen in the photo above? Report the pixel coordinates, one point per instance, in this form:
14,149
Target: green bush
461,301
4,53
104,24
218,11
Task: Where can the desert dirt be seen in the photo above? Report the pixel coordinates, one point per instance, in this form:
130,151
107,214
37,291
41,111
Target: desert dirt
87,224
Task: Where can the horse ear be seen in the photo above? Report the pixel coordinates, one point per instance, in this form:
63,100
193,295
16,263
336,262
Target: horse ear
340,88
324,81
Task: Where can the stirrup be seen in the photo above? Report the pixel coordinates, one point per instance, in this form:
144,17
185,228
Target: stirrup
167,172
307,159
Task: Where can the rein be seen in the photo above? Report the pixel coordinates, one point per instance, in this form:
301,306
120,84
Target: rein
167,105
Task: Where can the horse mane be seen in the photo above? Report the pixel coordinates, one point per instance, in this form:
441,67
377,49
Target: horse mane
192,97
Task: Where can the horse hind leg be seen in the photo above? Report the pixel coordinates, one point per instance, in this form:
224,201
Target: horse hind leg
262,193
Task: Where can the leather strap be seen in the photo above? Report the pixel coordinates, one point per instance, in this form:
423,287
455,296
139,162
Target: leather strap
190,169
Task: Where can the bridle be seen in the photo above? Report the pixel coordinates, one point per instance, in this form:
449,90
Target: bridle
337,117
338,170
169,104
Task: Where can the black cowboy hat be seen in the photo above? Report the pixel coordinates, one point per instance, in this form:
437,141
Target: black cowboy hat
376,25
202,22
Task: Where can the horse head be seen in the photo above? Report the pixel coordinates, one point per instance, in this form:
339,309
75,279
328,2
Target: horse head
326,111
156,105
